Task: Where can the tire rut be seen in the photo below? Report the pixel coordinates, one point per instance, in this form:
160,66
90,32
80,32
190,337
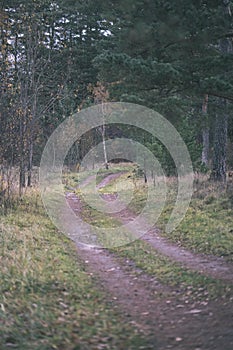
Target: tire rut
169,319
209,265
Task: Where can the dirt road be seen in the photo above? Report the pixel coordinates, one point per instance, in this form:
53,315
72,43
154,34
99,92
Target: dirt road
169,318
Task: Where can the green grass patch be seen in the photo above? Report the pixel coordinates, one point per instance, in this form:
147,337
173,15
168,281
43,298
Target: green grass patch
208,224
48,301
198,218
72,179
193,284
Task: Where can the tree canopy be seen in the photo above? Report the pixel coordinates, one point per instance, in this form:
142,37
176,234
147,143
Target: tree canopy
174,57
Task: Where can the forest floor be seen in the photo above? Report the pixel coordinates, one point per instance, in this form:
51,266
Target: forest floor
177,298
158,292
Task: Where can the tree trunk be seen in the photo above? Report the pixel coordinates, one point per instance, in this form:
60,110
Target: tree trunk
221,122
104,146
103,132
22,181
22,178
220,142
145,167
205,134
101,96
29,182
206,144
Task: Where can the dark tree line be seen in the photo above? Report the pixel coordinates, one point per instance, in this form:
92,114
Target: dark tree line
174,57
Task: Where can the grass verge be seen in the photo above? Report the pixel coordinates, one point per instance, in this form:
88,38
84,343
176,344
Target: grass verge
190,283
208,224
48,301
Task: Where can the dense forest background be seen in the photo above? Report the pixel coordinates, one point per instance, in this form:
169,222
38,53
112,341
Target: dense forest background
58,57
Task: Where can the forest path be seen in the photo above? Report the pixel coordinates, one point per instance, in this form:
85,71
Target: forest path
166,315
209,265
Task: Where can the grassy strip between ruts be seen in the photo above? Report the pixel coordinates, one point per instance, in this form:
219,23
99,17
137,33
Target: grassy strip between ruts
72,179
192,284
48,301
208,224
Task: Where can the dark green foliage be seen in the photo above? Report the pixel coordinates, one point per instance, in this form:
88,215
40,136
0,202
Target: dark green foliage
168,56
161,54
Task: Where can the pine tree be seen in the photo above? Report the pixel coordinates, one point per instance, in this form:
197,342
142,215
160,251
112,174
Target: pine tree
165,55
221,121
